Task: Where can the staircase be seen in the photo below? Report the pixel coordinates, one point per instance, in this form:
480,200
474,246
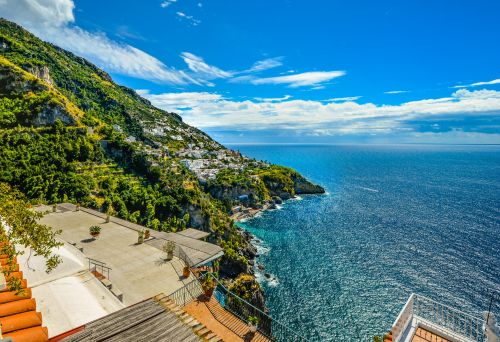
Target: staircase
198,328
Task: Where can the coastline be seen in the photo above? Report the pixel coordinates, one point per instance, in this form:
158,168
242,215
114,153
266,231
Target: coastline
249,213
246,214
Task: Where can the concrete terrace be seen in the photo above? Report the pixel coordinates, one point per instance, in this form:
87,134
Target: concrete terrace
139,271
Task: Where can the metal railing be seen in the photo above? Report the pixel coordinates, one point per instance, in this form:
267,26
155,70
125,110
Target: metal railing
242,309
237,306
441,315
405,317
179,252
95,265
453,323
187,293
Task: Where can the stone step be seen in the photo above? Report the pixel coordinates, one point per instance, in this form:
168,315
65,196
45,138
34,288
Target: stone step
210,335
203,331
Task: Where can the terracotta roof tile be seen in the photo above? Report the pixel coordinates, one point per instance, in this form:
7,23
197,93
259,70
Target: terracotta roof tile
18,317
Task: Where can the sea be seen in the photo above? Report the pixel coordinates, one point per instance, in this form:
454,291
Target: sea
395,220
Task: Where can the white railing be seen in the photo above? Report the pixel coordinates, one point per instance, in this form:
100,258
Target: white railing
455,322
439,318
404,319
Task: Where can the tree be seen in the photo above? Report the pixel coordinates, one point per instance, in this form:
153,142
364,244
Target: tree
19,226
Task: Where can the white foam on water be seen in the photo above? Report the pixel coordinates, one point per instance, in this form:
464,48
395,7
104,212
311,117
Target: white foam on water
259,214
368,189
262,248
273,281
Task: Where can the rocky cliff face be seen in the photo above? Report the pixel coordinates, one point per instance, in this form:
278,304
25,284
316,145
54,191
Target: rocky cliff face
303,186
42,73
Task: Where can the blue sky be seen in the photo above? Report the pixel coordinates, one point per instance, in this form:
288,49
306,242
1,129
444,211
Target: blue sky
295,71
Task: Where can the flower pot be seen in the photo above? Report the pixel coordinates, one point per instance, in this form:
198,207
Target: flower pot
252,328
140,240
209,292
146,234
94,235
186,272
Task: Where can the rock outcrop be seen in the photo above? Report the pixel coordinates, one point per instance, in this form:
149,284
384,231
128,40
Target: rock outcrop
303,186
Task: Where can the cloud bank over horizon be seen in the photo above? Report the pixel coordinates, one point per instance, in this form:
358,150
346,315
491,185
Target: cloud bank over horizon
338,117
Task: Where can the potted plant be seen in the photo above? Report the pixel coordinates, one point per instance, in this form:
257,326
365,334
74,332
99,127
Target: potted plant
253,322
109,212
147,234
208,285
186,271
168,248
54,208
95,231
140,237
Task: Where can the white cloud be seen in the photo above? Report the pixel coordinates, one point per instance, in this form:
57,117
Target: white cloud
198,65
179,101
313,78
391,92
189,18
38,12
213,111
477,84
49,20
116,57
343,99
273,99
497,81
477,94
266,64
167,3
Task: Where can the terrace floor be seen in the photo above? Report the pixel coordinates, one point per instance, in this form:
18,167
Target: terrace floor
422,335
139,271
221,322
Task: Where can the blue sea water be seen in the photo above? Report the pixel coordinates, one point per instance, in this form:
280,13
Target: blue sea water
395,220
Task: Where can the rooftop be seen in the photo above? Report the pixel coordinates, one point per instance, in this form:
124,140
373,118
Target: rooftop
67,287
19,319
199,252
139,271
99,276
194,233
150,320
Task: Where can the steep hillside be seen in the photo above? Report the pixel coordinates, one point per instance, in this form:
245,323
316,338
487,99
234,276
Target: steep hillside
69,133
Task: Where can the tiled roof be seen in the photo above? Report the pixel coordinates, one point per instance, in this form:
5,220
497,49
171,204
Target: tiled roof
18,316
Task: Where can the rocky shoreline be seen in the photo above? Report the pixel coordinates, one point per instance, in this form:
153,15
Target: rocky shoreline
247,210
253,243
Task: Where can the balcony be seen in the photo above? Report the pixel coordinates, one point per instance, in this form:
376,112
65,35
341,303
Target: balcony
227,315
423,319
